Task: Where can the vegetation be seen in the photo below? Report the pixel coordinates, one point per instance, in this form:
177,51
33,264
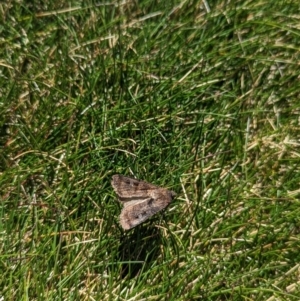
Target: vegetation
200,97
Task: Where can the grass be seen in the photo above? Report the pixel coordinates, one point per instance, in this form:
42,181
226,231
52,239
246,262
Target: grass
198,97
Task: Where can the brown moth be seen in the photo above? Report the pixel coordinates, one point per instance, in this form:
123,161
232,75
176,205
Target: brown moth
141,200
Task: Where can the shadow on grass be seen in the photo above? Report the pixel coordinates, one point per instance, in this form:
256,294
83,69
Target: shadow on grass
138,248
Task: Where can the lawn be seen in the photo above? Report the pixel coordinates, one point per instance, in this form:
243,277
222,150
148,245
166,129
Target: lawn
198,97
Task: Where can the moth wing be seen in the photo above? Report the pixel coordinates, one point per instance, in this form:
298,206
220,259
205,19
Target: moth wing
130,202
136,212
126,187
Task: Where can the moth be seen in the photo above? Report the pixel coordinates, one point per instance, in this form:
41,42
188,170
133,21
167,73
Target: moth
140,199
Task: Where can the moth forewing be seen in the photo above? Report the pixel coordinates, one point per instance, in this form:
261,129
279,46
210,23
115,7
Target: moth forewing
128,203
134,214
126,187
137,213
